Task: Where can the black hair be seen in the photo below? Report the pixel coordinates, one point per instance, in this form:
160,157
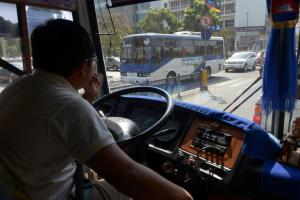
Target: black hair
60,46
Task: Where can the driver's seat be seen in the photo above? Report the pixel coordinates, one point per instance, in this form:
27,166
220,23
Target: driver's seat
83,187
4,195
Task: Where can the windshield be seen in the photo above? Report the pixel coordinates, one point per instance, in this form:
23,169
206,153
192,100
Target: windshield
181,46
136,51
10,42
161,44
240,55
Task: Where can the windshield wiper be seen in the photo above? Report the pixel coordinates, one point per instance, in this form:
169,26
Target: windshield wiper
254,82
6,65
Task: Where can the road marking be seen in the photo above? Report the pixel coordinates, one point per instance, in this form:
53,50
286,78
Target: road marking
227,82
240,83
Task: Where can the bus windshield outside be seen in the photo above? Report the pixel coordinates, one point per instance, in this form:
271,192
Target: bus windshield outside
193,141
152,57
159,44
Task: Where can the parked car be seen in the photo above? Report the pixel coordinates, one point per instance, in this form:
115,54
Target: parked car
241,61
259,58
113,63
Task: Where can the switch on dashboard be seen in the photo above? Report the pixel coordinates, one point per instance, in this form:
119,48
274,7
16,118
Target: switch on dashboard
167,167
191,161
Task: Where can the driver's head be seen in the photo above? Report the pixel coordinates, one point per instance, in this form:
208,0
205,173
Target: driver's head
60,46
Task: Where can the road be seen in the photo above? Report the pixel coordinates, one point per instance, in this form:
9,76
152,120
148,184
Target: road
223,88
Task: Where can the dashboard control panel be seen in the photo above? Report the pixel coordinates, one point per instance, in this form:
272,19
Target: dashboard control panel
207,148
210,140
215,143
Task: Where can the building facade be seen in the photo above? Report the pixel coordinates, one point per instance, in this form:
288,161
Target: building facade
227,16
250,25
227,13
142,9
178,6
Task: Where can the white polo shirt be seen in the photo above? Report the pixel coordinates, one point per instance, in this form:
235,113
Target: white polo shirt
44,126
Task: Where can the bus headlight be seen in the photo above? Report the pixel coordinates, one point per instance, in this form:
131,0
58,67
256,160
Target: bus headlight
123,73
143,74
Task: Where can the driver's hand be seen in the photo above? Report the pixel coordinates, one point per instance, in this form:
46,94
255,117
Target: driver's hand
92,90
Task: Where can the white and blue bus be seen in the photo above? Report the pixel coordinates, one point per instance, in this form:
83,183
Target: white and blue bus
152,57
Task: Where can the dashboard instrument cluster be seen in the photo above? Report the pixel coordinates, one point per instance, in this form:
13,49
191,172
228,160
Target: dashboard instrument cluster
211,141
208,147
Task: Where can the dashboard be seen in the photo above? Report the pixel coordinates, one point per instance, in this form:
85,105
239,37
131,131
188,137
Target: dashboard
208,148
213,142
188,143
199,148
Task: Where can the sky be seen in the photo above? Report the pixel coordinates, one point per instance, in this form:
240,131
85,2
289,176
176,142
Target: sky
9,12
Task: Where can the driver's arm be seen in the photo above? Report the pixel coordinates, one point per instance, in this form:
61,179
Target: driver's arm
132,178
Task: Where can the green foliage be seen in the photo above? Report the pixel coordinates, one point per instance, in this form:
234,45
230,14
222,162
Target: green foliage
191,20
8,28
111,44
9,39
159,21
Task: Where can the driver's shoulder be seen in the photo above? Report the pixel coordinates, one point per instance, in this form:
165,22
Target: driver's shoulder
71,107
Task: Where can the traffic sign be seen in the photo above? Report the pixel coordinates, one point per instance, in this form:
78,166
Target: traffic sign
205,21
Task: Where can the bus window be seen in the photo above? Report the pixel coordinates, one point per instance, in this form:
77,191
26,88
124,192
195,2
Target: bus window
127,55
206,145
209,52
177,52
37,15
188,51
10,46
183,55
166,52
157,55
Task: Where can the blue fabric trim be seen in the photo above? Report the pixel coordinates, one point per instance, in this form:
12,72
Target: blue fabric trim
283,16
258,143
280,79
281,180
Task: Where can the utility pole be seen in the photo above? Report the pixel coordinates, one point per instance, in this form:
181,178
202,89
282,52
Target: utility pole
247,30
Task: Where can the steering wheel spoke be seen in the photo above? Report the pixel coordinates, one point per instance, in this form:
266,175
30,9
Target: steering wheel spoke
126,132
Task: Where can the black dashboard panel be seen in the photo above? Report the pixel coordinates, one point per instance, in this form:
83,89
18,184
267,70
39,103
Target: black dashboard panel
188,139
195,149
142,115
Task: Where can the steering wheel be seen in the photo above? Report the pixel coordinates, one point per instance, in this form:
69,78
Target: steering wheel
134,137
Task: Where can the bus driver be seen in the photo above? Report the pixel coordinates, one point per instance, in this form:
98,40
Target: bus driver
46,125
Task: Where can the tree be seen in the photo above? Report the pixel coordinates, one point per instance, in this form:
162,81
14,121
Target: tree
191,20
8,28
111,44
9,41
159,21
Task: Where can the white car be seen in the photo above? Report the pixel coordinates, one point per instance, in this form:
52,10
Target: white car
113,63
241,61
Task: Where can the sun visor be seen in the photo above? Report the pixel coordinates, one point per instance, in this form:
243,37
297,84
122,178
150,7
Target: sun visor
117,3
